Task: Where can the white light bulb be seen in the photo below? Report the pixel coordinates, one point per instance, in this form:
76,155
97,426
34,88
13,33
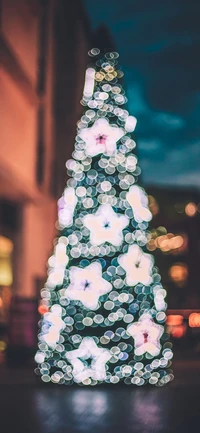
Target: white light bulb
130,124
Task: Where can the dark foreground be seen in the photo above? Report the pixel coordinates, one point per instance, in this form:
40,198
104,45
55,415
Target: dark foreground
28,406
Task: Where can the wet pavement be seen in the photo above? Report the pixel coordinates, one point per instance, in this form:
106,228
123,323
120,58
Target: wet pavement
29,406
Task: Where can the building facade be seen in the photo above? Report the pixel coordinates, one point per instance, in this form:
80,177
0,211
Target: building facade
43,51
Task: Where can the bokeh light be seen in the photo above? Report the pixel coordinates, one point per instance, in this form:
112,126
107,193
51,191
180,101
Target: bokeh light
179,273
191,209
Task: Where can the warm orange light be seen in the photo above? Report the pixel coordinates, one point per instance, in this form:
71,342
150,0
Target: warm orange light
194,320
175,242
6,245
178,272
153,205
175,325
191,209
174,319
42,309
178,331
167,242
6,248
2,346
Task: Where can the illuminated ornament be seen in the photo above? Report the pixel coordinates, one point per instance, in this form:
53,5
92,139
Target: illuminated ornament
101,137
56,325
130,123
159,298
138,266
88,361
106,226
139,203
89,83
146,335
87,285
66,206
57,264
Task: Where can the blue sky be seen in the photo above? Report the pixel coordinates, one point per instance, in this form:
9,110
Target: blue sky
159,47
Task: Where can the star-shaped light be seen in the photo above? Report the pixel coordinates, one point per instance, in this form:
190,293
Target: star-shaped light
138,265
106,226
53,319
146,335
66,206
87,285
138,200
101,137
95,369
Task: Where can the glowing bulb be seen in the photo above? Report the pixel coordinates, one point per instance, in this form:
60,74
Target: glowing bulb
89,83
178,272
130,124
191,209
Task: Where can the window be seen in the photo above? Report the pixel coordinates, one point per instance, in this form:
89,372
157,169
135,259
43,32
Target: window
6,277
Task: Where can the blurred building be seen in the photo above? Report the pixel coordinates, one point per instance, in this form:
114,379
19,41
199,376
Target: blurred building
43,46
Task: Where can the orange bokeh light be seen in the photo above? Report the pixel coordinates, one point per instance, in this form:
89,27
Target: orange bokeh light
42,309
178,272
174,319
194,320
168,243
175,325
191,209
178,331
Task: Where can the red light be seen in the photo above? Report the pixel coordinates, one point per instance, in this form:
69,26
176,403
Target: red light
42,309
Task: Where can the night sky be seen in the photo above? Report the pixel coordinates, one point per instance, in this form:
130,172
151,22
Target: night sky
159,46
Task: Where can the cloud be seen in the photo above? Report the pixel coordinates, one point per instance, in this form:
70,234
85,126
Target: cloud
167,120
149,145
180,167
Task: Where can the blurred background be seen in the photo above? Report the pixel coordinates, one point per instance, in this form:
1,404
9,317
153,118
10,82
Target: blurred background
43,51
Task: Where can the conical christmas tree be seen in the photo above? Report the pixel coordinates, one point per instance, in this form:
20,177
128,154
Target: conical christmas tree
105,305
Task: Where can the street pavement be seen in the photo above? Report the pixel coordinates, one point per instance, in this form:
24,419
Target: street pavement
29,406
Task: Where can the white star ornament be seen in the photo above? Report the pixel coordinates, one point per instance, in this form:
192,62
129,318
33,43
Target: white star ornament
101,137
138,266
146,335
87,285
106,226
88,350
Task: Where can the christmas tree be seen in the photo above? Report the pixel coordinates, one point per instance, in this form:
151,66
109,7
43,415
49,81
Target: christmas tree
103,303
